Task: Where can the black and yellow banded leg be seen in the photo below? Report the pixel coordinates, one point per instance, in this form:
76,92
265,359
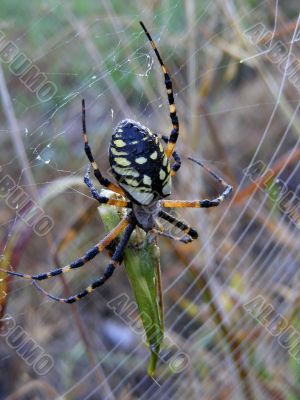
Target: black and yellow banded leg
193,203
100,198
177,164
102,180
178,224
89,255
184,239
169,87
109,270
159,230
201,203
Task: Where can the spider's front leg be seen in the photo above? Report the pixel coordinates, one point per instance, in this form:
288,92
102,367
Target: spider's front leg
169,88
100,198
177,164
88,151
109,270
206,203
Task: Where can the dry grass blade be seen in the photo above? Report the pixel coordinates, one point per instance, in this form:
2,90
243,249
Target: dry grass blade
227,335
285,161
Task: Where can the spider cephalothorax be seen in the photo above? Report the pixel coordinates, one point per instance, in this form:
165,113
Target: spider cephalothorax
143,172
139,163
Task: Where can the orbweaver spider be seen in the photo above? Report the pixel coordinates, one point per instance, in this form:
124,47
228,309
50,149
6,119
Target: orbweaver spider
141,166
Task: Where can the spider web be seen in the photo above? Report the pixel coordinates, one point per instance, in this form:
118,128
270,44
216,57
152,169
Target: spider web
233,115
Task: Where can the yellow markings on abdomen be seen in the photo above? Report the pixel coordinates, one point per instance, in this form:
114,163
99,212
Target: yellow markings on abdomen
162,174
126,171
132,182
149,132
141,160
119,143
153,156
118,153
122,161
147,180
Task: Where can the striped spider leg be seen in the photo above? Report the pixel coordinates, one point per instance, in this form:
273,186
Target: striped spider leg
201,203
115,261
190,233
100,198
177,164
125,224
169,87
88,151
141,166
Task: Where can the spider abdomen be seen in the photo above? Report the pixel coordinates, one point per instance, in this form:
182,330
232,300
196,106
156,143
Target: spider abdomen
139,163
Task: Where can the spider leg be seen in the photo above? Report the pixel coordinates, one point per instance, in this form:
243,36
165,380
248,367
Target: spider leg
169,87
179,224
175,167
159,230
109,270
100,198
89,255
201,203
192,204
88,151
183,239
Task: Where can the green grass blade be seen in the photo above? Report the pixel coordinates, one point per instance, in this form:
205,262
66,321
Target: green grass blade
141,260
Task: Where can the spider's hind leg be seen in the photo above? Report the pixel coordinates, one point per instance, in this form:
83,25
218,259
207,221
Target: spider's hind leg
184,239
187,230
81,261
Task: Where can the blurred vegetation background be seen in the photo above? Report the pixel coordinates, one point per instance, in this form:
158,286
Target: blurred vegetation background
231,114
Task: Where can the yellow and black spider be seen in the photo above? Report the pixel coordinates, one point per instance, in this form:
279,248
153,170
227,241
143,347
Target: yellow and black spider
141,166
